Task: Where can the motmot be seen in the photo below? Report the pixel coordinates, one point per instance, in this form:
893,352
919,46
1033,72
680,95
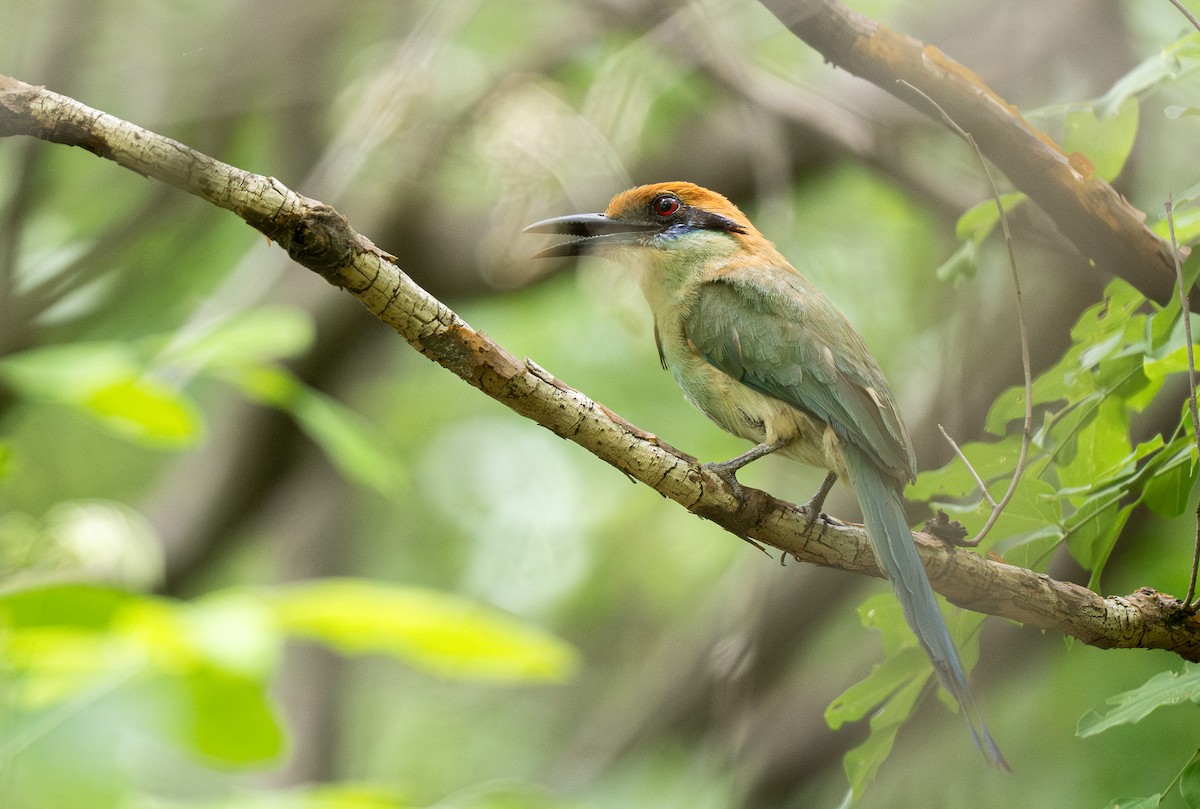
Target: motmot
761,352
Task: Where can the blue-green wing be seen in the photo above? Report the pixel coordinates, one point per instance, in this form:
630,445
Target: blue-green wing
781,337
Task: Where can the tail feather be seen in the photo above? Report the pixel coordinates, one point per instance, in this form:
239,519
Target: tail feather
883,514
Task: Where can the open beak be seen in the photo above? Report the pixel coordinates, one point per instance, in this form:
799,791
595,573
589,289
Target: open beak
595,230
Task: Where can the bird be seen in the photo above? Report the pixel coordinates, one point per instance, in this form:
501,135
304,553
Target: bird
758,349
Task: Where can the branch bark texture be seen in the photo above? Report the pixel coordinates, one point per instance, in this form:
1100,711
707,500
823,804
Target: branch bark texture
1098,221
319,238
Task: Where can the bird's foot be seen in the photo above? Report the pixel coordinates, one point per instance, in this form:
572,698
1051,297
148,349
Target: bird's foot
812,509
727,471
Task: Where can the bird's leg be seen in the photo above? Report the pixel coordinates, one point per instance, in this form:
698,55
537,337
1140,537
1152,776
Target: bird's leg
727,470
813,507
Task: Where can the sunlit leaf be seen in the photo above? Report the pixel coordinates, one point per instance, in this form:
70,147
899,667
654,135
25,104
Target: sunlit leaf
59,663
1105,138
229,717
84,606
1164,688
1101,445
434,631
146,411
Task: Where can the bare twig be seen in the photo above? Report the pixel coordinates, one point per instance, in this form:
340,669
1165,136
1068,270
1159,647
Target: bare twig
1183,10
1187,332
1186,314
978,480
1026,364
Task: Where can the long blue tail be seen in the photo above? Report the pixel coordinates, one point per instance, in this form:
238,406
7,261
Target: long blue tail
879,496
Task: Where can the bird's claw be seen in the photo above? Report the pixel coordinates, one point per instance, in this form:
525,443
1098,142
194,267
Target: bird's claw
812,514
729,475
812,509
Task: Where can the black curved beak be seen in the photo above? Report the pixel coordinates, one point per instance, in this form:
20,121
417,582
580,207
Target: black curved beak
594,230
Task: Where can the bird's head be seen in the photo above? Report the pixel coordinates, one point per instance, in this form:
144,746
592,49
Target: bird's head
669,217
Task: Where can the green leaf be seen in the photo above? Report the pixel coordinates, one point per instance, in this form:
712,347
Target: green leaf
1034,505
1164,688
84,606
1135,803
886,678
1101,446
863,762
1032,549
1092,533
253,337
107,382
883,613
1167,493
1173,61
1106,138
229,717
954,480
981,218
1187,224
1170,355
1189,784
962,265
433,631
69,373
353,445
146,411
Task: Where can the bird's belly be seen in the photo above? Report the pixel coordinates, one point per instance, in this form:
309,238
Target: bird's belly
754,416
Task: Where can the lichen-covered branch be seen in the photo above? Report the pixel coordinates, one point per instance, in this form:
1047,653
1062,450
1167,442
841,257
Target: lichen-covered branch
319,238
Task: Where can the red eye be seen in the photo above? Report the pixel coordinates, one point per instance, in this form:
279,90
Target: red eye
665,205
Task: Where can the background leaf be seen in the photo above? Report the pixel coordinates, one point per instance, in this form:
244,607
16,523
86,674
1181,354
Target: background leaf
435,632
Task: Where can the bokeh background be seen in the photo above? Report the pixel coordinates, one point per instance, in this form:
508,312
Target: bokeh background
285,435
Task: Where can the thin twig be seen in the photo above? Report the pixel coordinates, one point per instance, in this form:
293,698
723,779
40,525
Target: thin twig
957,451
1026,364
1186,13
1186,314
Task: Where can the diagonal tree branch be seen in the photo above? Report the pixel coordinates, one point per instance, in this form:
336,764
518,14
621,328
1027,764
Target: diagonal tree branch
319,238
1102,225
